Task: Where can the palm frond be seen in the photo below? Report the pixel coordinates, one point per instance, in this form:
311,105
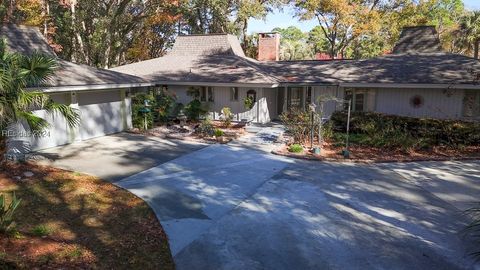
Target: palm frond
70,114
35,122
37,68
32,100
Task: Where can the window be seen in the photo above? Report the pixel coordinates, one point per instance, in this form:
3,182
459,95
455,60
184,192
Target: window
294,97
359,101
203,93
210,94
357,97
206,94
308,99
234,94
471,104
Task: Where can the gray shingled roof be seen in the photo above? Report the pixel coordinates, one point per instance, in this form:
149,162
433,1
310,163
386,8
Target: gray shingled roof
432,68
26,40
216,59
418,39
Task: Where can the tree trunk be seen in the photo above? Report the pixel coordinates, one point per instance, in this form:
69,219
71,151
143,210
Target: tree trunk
77,33
476,48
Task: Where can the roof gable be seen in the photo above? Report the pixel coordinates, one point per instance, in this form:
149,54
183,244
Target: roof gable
25,39
418,39
211,44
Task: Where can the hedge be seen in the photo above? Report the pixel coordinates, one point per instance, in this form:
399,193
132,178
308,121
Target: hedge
392,130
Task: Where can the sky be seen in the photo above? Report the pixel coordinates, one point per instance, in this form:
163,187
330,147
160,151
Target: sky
286,18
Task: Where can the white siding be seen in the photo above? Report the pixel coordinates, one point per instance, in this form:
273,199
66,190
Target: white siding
437,102
263,110
102,113
326,92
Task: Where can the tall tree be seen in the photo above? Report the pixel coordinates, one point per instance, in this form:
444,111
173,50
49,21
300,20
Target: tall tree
341,20
470,33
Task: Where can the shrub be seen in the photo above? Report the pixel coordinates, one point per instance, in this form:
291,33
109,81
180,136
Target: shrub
227,116
138,103
248,103
295,148
194,110
164,103
407,132
219,132
206,128
174,111
297,123
7,211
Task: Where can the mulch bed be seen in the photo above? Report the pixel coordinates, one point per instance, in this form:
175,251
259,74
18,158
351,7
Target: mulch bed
187,132
86,223
363,154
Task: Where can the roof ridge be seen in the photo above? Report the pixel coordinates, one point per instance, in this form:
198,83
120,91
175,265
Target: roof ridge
247,61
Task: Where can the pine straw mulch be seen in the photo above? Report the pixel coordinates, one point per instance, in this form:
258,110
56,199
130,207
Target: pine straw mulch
86,223
364,154
187,132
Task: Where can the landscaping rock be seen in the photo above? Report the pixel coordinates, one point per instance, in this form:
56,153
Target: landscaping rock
28,174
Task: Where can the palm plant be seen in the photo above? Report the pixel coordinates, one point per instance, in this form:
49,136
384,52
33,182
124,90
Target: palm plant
19,75
470,31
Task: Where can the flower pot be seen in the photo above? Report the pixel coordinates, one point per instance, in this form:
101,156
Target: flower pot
221,139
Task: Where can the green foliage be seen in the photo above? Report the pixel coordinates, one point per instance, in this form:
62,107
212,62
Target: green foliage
138,116
380,130
291,33
195,110
219,133
206,128
164,106
227,116
20,72
295,148
41,230
248,103
7,212
297,123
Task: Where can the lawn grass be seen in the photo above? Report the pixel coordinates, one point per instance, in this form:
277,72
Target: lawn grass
70,220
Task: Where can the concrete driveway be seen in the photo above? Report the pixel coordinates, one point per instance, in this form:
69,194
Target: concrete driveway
116,156
234,207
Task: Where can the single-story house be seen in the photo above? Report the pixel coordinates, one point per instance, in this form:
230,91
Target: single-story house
417,79
102,97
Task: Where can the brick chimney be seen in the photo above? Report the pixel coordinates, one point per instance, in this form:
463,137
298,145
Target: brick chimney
268,46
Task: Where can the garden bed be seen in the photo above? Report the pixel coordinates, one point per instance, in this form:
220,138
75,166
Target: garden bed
375,137
366,154
189,132
70,220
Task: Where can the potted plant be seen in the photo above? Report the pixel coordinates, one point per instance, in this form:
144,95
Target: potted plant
248,103
219,135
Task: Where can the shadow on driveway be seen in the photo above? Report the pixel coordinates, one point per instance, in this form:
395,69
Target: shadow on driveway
117,156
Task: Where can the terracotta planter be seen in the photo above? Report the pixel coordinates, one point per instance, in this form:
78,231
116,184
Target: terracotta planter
221,139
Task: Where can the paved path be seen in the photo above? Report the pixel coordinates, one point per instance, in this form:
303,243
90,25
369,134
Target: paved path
238,207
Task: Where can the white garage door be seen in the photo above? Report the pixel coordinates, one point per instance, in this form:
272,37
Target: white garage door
101,113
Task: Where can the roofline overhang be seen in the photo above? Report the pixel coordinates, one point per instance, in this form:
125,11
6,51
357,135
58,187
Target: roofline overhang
412,85
229,84
70,88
